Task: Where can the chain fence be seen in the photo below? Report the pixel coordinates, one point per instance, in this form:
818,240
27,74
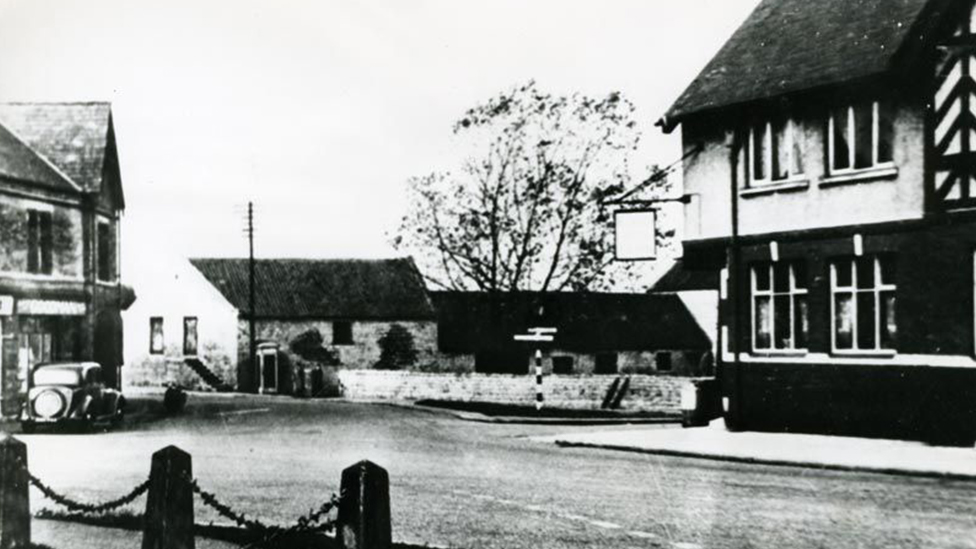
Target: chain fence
312,522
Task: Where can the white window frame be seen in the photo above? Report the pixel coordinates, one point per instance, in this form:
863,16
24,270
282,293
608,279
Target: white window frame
791,129
162,336
793,291
878,289
851,145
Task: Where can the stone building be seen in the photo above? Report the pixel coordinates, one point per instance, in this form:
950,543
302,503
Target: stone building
830,172
597,333
60,205
181,327
348,304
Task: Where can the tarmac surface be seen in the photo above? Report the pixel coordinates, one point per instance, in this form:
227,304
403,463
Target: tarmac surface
469,484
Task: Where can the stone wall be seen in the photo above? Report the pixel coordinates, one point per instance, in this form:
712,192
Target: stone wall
647,393
169,368
362,353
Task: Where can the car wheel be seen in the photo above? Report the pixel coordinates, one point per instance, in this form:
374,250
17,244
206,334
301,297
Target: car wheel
119,417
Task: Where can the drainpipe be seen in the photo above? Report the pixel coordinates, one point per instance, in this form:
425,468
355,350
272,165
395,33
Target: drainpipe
733,421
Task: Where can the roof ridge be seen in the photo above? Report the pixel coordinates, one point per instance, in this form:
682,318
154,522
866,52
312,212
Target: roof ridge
41,157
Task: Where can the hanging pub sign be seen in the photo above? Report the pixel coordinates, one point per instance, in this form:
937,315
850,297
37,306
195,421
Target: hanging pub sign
6,305
635,235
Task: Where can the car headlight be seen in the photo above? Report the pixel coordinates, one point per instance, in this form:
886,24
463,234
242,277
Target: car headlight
48,404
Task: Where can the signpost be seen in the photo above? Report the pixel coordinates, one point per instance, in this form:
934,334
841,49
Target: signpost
538,336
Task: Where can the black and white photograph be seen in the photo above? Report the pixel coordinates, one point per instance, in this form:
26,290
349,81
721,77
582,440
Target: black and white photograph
460,274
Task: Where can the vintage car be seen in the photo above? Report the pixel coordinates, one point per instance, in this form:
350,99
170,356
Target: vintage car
70,393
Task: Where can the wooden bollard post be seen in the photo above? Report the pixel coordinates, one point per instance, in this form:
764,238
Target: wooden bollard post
15,531
169,505
364,510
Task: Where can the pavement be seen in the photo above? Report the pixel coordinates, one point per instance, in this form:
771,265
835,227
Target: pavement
823,452
527,420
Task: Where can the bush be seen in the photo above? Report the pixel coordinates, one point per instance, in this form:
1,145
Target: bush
397,349
308,346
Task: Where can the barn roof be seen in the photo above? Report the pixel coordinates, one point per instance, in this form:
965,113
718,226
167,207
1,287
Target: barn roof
786,46
587,322
352,289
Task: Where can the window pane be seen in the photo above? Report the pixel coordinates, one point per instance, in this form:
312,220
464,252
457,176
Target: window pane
844,320
33,265
762,277
190,335
759,168
841,153
781,277
889,330
796,132
156,335
889,269
763,318
800,275
801,323
865,272
47,243
886,132
863,135
781,151
866,320
843,271
781,322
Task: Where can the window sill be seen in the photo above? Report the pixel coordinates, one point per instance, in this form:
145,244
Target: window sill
884,353
860,176
780,187
779,352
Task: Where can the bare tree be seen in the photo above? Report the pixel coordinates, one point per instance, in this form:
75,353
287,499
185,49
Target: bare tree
525,211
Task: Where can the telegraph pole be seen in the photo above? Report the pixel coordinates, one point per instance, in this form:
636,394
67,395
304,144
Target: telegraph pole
250,276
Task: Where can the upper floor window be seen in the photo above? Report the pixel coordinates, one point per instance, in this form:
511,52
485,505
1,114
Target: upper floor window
779,307
40,244
860,136
775,150
863,303
105,251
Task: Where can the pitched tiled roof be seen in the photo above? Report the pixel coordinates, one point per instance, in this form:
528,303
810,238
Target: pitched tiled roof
791,45
72,136
587,322
19,162
681,279
354,289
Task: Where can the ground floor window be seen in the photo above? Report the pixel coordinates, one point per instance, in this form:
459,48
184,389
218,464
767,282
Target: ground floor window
156,342
190,335
562,364
342,332
662,361
863,304
606,363
779,306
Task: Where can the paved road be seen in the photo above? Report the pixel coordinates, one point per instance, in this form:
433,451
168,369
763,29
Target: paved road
476,485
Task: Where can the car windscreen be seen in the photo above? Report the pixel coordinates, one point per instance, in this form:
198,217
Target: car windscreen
57,376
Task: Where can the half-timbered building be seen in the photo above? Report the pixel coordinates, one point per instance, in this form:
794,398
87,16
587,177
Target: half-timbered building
831,186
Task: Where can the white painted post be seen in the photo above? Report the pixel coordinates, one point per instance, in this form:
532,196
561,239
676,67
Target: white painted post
538,380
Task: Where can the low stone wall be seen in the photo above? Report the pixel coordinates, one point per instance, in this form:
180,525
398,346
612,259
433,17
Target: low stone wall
581,392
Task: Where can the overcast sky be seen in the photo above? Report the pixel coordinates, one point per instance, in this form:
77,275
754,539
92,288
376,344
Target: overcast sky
320,111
